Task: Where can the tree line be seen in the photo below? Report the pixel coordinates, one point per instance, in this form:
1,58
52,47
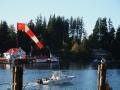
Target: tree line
63,37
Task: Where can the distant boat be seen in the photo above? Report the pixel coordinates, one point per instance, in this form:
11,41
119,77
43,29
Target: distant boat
40,59
53,59
57,78
45,59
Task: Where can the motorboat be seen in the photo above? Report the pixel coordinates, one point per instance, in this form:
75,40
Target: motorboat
57,77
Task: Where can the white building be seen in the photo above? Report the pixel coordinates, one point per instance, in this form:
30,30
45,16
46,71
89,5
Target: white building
14,53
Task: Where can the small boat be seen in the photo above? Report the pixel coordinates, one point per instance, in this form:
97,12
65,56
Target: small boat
53,59
45,59
57,78
41,59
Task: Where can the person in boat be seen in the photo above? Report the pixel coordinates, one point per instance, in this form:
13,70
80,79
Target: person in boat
40,81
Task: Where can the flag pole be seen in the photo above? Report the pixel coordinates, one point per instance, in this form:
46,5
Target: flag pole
17,39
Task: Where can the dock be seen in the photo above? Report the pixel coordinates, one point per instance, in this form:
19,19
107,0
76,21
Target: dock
3,60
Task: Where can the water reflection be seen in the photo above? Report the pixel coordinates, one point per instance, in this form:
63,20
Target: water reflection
43,66
66,65
114,78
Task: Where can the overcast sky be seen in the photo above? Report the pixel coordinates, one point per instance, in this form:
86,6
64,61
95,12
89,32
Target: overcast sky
14,11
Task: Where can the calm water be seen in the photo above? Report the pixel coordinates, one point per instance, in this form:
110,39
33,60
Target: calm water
86,76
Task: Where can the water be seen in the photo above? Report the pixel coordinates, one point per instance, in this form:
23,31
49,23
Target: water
86,76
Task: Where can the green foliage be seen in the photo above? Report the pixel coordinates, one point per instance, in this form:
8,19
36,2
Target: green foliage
118,34
6,41
57,32
116,45
63,37
11,37
23,41
76,29
104,36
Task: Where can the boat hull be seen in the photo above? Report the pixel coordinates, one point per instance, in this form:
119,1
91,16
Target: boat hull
58,81
61,81
41,60
47,60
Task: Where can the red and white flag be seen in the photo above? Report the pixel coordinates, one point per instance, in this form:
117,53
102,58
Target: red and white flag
24,27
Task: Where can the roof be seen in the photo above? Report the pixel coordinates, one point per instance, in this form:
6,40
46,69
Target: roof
13,50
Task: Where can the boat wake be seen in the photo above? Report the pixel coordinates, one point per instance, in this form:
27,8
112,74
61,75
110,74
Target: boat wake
30,85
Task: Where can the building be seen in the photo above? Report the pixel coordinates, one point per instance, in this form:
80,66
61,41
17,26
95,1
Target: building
15,53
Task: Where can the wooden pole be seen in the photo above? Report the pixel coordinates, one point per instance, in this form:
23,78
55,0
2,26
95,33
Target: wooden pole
98,82
17,77
102,76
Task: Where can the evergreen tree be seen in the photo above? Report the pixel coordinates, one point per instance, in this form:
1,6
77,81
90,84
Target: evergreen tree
118,34
38,26
4,45
23,41
100,33
58,32
72,27
31,44
44,31
76,29
104,31
82,33
116,45
111,35
110,25
7,36
95,38
12,41
31,25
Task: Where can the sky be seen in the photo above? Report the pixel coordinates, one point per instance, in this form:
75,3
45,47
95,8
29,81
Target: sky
13,11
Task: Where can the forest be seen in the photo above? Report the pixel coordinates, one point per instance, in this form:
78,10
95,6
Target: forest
63,37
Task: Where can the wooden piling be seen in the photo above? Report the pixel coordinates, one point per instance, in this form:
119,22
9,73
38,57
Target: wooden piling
102,83
102,76
17,79
98,82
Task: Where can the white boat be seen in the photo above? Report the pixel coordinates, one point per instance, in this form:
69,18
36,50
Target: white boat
57,78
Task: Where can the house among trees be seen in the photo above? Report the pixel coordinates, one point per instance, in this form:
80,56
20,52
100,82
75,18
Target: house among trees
14,53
